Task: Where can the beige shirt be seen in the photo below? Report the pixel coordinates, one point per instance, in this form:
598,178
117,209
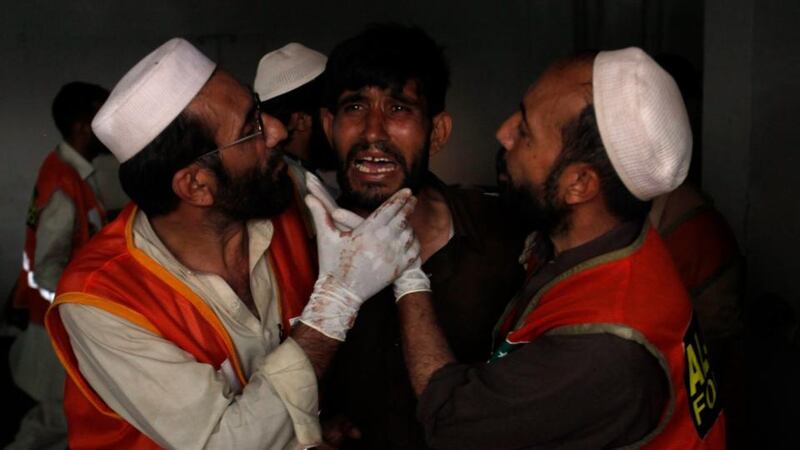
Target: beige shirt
181,403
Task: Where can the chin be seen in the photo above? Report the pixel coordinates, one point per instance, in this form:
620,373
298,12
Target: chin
367,197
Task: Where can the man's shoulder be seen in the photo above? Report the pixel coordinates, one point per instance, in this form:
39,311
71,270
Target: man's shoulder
101,256
57,173
483,212
471,198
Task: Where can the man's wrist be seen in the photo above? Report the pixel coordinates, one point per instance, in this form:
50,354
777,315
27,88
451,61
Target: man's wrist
318,347
411,281
332,308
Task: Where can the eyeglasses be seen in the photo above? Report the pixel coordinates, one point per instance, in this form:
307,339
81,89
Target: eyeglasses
259,130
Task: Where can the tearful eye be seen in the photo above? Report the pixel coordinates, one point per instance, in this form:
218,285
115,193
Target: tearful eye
352,107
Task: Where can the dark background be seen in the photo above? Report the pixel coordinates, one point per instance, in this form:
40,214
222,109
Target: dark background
744,53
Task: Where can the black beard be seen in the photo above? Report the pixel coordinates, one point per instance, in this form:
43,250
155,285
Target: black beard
257,194
539,209
371,198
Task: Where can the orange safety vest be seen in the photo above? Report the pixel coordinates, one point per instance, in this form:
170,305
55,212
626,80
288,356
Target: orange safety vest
113,275
54,175
634,293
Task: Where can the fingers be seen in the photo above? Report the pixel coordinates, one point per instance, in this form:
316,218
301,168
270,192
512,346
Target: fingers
411,254
390,208
413,247
346,219
322,220
400,220
317,189
406,249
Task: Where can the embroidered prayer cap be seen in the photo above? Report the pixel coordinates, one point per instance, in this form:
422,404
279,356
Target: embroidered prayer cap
150,96
642,122
287,68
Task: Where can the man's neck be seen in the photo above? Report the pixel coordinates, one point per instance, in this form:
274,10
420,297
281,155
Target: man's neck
206,244
201,243
431,220
584,225
82,148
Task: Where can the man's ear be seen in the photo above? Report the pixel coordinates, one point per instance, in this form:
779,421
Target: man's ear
580,183
327,124
299,121
440,131
195,185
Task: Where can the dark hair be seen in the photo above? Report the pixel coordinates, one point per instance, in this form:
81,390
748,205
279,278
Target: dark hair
147,176
74,102
304,99
387,56
582,144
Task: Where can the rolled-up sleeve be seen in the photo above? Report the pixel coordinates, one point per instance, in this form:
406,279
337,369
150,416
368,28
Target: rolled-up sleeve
292,376
182,403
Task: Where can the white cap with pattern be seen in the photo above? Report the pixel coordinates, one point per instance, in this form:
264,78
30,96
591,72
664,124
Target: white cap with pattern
286,69
642,122
150,96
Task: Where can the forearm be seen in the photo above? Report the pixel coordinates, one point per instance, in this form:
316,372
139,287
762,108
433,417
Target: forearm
584,391
424,345
318,348
181,403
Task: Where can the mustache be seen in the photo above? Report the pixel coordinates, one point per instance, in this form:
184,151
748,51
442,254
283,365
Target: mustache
383,146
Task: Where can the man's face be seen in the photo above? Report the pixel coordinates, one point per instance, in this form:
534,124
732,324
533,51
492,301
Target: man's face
533,142
258,193
252,180
382,140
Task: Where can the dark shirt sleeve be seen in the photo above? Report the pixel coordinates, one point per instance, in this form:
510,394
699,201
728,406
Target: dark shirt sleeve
576,391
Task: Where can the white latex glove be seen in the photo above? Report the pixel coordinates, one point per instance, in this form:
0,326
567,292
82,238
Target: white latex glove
411,280
356,264
345,219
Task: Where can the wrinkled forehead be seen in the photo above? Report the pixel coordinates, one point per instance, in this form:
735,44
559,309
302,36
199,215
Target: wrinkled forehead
222,103
222,89
409,88
559,94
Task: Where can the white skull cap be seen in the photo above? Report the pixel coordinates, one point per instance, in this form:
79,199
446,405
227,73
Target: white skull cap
642,121
286,69
150,96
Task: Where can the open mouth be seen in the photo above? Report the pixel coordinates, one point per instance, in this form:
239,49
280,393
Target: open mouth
374,165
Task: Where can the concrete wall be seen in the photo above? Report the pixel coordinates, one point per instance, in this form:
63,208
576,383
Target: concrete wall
752,105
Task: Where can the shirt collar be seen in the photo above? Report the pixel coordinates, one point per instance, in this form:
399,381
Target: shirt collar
619,237
259,234
71,156
464,225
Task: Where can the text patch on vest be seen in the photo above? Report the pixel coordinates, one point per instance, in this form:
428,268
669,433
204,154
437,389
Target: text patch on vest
701,384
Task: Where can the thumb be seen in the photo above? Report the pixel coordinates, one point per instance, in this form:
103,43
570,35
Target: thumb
319,215
317,189
347,218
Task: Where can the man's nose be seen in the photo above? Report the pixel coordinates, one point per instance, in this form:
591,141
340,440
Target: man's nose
505,134
375,125
274,130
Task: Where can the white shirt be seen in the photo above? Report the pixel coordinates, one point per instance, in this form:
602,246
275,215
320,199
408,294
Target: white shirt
57,224
181,403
